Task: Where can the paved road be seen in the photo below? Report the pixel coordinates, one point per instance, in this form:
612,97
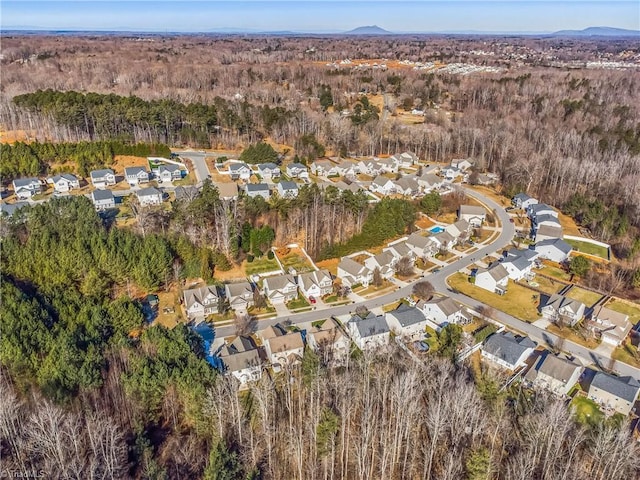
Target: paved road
199,164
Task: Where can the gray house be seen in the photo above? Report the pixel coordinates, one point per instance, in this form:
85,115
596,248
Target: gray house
566,309
406,320
149,196
269,170
239,171
136,175
240,295
102,178
297,170
25,188
9,209
473,214
168,173
287,189
614,393
369,333
64,182
555,374
258,190
200,302
508,350
103,199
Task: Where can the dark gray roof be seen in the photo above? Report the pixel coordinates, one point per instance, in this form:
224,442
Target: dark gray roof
267,166
522,196
11,208
134,170
517,253
622,387
238,166
285,185
25,182
407,315
257,187
102,195
556,367
521,263
297,165
371,325
149,191
67,176
558,243
507,346
101,173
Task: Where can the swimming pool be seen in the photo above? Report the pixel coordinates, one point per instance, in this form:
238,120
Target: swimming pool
436,229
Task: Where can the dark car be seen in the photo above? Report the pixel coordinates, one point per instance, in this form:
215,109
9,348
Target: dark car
512,220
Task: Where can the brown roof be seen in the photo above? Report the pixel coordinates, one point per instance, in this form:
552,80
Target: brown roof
283,343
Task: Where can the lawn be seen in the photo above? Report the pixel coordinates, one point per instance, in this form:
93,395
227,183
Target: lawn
294,258
587,297
548,285
627,353
574,335
625,307
589,248
518,301
386,287
188,180
586,410
261,265
296,303
554,272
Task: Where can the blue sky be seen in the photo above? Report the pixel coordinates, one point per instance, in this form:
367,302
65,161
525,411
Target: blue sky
314,15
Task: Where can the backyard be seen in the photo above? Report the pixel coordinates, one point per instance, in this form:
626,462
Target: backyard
554,271
589,248
587,297
627,308
586,410
547,285
261,265
519,301
293,258
574,334
627,353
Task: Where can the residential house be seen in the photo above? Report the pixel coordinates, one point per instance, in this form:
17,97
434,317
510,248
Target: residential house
352,187
429,182
269,171
287,189
459,230
64,182
102,178
518,268
370,167
258,190
554,374
382,185
9,209
443,311
554,249
369,333
201,302
473,214
614,393
495,278
240,171
462,164
523,201
103,199
406,186
241,358
407,321
384,261
348,169
529,255
536,209
353,273
508,350
149,196
422,247
487,179
567,310
399,250
315,284
297,170
450,173
280,289
388,165
283,347
613,326
546,232
25,188
136,175
328,340
239,295
168,173
406,159
227,190
545,220
324,168
443,241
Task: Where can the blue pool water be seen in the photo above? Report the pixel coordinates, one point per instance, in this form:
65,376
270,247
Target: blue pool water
436,229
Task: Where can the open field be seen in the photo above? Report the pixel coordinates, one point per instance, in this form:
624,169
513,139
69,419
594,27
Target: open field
553,270
236,272
424,222
261,265
585,296
518,301
622,306
589,248
568,224
573,335
492,194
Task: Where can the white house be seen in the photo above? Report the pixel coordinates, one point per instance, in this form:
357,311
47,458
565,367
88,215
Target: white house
239,170
389,165
554,374
429,182
103,199
443,240
328,340
384,261
370,167
536,209
315,284
258,190
399,250
405,159
554,249
269,170
508,350
324,168
25,188
613,326
382,185
168,173
494,279
280,289
102,178
450,173
136,175
287,189
239,295
352,273
407,321
546,220
283,347
443,310
559,307
462,164
473,214
421,246
241,358
459,230
200,302
518,268
369,333
297,170
523,201
407,186
149,196
614,393
64,182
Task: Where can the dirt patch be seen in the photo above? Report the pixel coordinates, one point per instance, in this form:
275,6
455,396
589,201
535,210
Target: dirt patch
569,226
236,272
330,264
492,194
424,223
12,136
120,162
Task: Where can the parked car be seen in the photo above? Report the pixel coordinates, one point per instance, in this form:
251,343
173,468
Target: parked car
312,300
512,220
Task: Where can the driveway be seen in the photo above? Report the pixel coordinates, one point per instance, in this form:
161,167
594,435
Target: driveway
199,164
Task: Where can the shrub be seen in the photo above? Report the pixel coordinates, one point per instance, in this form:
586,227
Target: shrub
250,258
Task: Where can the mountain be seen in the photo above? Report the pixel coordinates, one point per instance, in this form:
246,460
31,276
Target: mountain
368,30
597,32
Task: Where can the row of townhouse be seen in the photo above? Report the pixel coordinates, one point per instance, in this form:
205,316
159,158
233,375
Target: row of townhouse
105,200
545,224
408,185
559,375
284,188
373,166
267,171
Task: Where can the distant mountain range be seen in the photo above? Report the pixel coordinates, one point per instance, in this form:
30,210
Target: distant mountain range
598,32
368,30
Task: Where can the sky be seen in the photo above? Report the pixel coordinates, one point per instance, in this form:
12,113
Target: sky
320,15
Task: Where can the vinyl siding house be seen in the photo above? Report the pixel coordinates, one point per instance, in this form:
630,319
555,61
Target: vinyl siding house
324,168
459,230
282,346
258,190
239,171
407,187
329,342
201,302
382,185
546,232
399,250
25,188
65,182
9,209
442,311
508,350
136,175
102,178
405,159
494,279
407,321
613,326
422,247
443,241
287,189
559,307
554,249
227,190
385,261
280,289
473,214
429,182
149,196
239,295
518,268
269,170
450,173
537,209
369,333
523,201
241,358
554,374
315,284
352,273
546,220
168,173
370,167
617,394
103,200
297,170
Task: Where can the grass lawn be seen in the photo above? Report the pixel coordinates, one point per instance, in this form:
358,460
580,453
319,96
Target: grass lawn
261,311
222,317
446,257
555,272
586,410
386,287
547,285
574,335
626,307
296,260
627,353
299,302
590,248
188,180
261,265
585,296
518,301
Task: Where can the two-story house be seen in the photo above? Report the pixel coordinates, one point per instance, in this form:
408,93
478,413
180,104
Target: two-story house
280,289
287,189
352,273
369,333
25,188
442,311
269,171
407,321
239,295
241,358
258,190
382,185
149,196
554,249
614,327
283,347
136,175
384,261
508,350
554,374
495,278
168,173
617,394
239,171
102,178
315,284
473,214
564,309
523,201
329,342
103,200
63,183
200,302
297,170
